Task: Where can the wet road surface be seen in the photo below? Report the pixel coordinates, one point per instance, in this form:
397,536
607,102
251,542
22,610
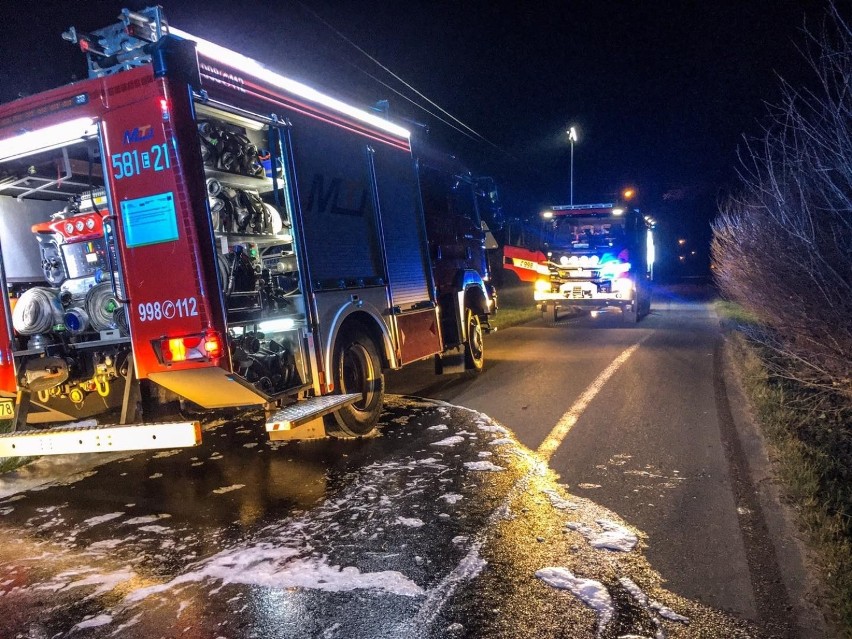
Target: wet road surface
442,526
638,418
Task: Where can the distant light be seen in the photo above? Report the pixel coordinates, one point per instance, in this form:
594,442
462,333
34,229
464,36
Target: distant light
547,214
572,134
681,241
50,137
618,211
252,67
628,193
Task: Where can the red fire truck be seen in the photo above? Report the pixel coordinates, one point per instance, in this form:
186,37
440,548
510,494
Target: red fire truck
597,256
188,229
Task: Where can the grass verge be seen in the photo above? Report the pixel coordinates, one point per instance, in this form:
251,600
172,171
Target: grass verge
512,315
811,445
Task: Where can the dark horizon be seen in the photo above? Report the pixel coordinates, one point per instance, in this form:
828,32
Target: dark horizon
661,96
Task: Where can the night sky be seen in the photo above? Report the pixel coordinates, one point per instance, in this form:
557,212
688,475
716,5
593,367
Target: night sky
660,92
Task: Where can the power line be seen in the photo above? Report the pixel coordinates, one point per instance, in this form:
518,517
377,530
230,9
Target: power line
399,79
413,102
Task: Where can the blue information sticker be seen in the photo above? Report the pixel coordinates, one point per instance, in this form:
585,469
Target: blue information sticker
149,220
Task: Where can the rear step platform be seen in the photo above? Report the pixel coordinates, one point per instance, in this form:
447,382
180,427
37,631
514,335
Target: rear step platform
302,419
71,439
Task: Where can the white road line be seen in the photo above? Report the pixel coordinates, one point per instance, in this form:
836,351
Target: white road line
470,566
567,421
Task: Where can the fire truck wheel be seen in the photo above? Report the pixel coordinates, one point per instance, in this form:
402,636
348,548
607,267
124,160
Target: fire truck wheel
550,313
357,369
474,355
630,314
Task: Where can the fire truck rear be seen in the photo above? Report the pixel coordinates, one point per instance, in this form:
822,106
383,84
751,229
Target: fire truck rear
598,256
188,230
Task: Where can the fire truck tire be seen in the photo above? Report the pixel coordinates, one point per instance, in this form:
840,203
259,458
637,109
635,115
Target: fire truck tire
550,313
357,368
474,352
630,314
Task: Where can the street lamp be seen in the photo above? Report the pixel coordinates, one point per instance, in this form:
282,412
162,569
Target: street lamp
572,137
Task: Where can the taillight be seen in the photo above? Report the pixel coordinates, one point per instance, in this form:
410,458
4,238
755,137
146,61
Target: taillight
213,345
192,348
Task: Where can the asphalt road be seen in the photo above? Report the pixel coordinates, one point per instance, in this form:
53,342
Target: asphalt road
449,524
653,440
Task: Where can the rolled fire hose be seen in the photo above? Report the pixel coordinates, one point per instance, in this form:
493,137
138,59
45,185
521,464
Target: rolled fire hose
38,310
101,306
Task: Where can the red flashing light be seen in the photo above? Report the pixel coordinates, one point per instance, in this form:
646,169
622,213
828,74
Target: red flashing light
164,108
213,345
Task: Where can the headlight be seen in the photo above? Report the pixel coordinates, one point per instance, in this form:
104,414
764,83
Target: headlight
542,286
563,260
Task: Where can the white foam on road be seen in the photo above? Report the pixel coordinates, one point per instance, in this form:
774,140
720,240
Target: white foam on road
558,502
94,521
449,441
612,536
411,522
228,489
592,593
483,465
272,566
650,604
94,622
105,582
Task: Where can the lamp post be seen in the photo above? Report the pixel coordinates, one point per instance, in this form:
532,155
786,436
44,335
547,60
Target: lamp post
572,137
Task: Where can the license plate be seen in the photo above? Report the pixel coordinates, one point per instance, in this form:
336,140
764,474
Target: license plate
7,408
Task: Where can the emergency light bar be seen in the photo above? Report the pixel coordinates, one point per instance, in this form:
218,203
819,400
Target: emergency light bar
50,137
256,69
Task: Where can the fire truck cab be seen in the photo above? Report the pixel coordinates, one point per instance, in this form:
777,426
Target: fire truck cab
188,229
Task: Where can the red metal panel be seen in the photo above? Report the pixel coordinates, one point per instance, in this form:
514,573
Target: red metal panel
419,336
155,226
523,262
7,363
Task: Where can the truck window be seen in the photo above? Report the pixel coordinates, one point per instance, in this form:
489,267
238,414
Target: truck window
447,196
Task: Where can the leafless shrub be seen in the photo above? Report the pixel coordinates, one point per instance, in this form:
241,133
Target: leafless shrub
782,246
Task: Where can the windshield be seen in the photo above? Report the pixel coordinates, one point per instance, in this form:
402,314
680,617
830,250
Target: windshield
588,233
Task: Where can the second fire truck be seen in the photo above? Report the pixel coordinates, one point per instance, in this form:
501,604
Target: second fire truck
593,256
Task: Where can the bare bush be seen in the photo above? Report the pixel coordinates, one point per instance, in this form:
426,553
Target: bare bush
782,247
